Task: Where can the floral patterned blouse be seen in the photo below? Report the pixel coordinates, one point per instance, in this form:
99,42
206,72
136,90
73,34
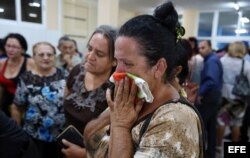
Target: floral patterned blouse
42,97
82,105
174,131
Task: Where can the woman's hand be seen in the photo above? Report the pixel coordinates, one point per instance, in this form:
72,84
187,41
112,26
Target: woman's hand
73,150
123,110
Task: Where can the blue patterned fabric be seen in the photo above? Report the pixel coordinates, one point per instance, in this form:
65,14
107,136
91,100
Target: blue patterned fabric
42,97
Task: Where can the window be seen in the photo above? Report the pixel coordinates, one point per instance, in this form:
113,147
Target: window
244,23
8,9
205,24
228,22
22,11
222,45
180,17
31,11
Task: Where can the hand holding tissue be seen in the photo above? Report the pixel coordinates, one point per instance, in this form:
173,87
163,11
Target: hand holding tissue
143,87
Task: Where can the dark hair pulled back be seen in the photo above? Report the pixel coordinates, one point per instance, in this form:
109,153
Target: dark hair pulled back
157,34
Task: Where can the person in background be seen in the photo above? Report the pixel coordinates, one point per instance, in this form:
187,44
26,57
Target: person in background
181,71
77,52
2,55
13,140
221,52
2,49
233,107
246,119
195,62
146,46
247,56
209,94
245,124
12,67
39,101
67,59
87,83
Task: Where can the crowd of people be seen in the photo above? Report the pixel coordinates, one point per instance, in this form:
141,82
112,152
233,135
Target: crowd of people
41,95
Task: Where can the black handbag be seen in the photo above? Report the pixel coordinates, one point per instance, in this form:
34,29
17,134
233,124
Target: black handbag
241,86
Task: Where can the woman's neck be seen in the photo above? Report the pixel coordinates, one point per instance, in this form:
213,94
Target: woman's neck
44,72
15,61
93,81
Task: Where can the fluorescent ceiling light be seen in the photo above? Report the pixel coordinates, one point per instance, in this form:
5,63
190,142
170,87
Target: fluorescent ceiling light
241,31
34,4
244,20
33,15
236,6
1,10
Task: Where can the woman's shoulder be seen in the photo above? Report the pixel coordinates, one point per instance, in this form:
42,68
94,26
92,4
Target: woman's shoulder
170,124
30,64
177,111
76,69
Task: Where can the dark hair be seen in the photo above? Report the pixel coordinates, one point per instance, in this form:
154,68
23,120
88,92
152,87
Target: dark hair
2,46
62,39
195,41
208,43
247,47
20,39
110,34
156,34
75,43
184,53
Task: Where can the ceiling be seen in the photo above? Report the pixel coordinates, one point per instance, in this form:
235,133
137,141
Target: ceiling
147,6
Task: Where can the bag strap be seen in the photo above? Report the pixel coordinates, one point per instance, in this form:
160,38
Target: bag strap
242,66
145,125
185,102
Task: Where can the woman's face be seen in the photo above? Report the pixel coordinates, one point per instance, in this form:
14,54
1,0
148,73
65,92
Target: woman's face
130,59
97,58
13,48
44,57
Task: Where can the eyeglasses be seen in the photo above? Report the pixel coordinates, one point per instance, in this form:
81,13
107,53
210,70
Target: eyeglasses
12,46
201,47
42,55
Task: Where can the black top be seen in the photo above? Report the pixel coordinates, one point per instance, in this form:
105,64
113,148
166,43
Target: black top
13,139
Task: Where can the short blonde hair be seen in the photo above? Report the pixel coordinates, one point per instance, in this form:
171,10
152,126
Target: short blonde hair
237,49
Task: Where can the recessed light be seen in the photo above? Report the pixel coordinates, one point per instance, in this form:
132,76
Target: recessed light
33,15
1,10
34,4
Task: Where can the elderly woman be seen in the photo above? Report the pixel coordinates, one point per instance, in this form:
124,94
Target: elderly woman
233,107
12,67
146,47
40,95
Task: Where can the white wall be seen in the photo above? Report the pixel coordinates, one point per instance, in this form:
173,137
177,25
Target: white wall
48,31
32,34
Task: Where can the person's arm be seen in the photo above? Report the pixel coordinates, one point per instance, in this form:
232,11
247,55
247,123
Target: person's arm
16,113
121,142
123,114
96,124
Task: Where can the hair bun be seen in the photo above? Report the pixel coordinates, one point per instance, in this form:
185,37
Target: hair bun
167,14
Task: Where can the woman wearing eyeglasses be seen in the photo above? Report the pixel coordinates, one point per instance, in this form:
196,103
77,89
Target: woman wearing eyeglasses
12,67
40,95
